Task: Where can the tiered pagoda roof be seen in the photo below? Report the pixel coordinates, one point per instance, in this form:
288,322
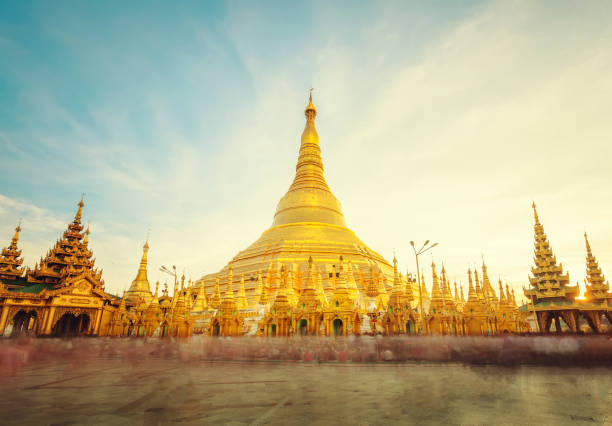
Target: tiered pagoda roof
11,260
597,288
548,283
68,258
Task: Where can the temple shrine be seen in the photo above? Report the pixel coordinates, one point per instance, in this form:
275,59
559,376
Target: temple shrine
308,274
555,301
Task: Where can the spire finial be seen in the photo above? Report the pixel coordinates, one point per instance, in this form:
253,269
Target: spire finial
86,239
16,236
79,213
535,212
310,110
586,240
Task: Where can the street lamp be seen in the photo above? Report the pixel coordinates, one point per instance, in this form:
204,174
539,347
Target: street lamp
422,250
166,270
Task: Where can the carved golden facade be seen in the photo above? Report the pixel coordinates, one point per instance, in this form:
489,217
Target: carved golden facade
63,295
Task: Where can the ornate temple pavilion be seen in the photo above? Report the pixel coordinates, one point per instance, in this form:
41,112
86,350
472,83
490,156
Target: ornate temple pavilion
63,295
555,301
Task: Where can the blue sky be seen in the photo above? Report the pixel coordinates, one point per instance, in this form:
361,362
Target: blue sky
437,121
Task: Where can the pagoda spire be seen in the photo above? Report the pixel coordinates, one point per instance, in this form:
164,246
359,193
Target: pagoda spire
309,198
10,260
477,287
596,286
200,303
242,299
351,284
473,303
502,298
140,286
436,304
79,213
446,292
155,301
86,238
487,288
548,280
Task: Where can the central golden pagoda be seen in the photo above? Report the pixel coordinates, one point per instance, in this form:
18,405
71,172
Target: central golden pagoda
308,223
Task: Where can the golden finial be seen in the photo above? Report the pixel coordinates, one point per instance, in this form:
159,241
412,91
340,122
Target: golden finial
16,236
86,239
79,213
310,108
535,212
588,246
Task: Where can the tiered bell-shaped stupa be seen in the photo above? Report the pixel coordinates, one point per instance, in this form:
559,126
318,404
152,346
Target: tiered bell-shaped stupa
308,223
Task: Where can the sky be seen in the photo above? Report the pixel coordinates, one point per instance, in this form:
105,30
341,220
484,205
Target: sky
438,120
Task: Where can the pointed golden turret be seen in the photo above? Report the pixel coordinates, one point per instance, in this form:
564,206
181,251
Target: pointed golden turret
477,288
597,289
502,297
140,287
436,304
200,304
548,281
10,260
79,213
86,239
242,302
446,291
154,305
309,300
474,304
341,280
487,288
351,284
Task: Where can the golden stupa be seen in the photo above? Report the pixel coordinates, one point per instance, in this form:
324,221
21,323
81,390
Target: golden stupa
308,223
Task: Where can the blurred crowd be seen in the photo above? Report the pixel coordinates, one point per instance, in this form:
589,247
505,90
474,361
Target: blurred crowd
511,350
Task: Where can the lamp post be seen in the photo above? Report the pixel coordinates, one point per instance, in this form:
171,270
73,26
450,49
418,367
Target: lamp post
422,250
173,273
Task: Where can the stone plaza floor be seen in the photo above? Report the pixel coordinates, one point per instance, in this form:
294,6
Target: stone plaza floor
173,390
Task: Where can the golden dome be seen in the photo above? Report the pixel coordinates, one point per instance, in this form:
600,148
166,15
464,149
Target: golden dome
308,223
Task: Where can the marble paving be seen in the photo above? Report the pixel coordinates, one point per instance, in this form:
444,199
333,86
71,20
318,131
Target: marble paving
171,391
